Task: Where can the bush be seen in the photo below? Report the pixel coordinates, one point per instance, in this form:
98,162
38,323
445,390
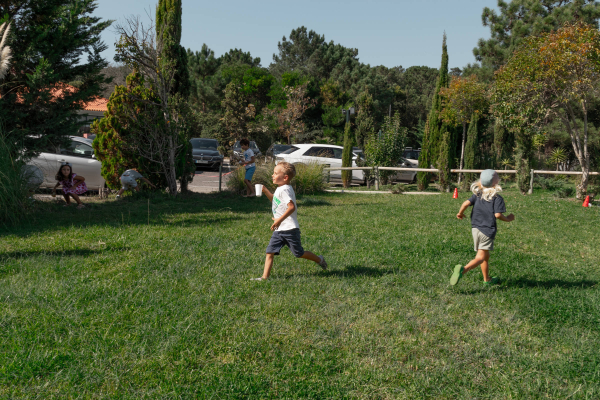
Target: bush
14,185
552,184
564,192
309,178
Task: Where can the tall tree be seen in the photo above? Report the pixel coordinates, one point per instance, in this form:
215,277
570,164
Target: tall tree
552,76
174,56
463,98
48,41
471,148
301,53
518,19
435,126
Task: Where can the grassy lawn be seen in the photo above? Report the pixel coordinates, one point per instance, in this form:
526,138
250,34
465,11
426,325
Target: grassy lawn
151,298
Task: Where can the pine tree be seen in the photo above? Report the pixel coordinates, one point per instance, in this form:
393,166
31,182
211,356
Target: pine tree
49,40
435,127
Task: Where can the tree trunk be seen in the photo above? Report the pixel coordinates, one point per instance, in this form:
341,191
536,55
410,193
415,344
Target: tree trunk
580,150
172,174
462,151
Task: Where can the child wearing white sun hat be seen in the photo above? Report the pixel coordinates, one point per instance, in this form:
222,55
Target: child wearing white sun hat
488,206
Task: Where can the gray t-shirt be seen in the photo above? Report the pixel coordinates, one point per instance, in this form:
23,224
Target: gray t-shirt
482,215
131,174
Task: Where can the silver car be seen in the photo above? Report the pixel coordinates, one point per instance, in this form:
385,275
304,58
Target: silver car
79,153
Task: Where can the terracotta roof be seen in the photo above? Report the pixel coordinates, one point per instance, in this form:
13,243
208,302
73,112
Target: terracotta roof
97,104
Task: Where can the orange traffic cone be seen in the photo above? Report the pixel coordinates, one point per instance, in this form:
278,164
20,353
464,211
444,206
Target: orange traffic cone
586,202
455,195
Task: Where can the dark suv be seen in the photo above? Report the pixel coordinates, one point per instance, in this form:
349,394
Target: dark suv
205,153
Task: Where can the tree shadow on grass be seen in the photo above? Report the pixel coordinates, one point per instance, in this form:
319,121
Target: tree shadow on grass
351,271
144,208
18,255
525,283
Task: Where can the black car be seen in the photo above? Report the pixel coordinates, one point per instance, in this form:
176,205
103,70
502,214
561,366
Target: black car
238,153
206,153
275,149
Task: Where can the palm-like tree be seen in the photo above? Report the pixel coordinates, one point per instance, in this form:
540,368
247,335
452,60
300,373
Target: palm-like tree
5,52
558,156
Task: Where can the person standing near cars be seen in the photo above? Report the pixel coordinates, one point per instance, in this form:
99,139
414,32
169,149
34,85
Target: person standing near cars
250,165
129,181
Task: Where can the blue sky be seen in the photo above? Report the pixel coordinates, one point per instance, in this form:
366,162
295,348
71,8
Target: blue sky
385,32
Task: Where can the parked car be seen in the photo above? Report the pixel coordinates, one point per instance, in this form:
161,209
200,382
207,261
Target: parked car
79,153
205,153
327,154
410,159
275,149
238,153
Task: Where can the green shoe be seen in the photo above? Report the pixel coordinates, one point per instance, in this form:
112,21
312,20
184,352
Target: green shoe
494,281
457,274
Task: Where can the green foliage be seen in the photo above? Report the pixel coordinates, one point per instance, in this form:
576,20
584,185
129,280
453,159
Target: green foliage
519,19
14,186
436,128
309,178
115,144
47,41
386,148
443,162
471,150
174,56
347,156
365,124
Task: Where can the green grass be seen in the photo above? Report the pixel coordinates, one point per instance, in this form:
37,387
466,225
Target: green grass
114,301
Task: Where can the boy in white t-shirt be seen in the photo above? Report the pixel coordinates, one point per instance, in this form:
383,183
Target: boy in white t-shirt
286,230
129,182
250,166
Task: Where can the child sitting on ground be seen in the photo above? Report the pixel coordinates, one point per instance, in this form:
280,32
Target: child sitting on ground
72,184
128,180
250,166
488,206
286,230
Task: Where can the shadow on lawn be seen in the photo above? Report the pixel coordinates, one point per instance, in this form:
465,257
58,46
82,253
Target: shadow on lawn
525,283
352,271
144,208
17,255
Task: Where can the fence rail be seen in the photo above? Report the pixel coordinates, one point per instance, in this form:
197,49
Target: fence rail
376,169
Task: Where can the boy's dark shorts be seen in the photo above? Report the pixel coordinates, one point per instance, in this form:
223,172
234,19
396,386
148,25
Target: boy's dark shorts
289,238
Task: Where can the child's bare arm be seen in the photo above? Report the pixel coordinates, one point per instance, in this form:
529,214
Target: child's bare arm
290,210
267,193
508,218
148,182
463,207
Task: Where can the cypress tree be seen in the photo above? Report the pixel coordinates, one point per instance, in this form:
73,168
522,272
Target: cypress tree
471,149
435,127
174,56
347,156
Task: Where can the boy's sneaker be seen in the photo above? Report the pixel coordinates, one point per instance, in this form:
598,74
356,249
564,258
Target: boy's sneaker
323,263
457,274
494,281
118,197
258,279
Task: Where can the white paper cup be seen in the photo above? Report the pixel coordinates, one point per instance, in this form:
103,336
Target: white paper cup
258,188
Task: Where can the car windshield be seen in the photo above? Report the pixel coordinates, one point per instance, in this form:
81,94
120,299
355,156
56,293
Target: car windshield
411,154
290,150
278,148
204,144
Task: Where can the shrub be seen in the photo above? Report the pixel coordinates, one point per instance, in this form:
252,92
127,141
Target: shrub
386,149
551,184
14,185
564,192
309,178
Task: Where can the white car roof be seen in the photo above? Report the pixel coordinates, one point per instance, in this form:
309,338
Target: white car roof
306,145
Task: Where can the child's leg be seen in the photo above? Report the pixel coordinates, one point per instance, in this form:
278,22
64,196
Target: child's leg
311,256
268,265
76,198
67,198
481,258
120,191
249,189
